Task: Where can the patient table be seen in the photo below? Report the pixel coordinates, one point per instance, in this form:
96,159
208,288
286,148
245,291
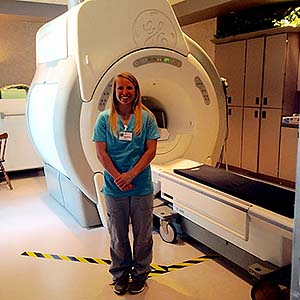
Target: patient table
246,220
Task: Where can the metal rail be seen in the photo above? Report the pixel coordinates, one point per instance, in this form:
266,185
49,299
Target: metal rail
4,115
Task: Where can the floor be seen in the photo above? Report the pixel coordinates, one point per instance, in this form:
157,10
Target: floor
30,221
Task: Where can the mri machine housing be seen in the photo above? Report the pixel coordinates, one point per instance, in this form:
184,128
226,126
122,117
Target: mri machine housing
78,54
76,60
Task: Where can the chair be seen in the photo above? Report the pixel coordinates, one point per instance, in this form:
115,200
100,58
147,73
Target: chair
3,142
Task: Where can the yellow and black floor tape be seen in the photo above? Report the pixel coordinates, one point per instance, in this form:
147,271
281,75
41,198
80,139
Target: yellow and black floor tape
155,269
68,258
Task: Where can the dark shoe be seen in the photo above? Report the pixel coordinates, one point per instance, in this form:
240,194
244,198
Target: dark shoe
137,286
121,286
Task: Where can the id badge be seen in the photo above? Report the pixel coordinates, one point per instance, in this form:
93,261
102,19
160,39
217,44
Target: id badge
125,136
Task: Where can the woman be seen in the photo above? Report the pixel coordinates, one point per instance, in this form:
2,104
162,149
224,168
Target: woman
126,139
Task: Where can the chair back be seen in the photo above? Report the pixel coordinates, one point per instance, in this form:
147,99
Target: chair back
3,142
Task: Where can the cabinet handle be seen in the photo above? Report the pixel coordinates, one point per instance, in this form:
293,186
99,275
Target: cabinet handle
264,114
229,111
229,99
256,114
257,100
265,100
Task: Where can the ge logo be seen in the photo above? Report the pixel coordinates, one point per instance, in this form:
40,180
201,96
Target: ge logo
153,28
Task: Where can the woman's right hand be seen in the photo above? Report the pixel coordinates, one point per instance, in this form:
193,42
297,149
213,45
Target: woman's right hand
126,188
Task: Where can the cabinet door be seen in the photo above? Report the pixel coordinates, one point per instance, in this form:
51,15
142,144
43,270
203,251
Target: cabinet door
269,141
230,62
290,98
288,153
274,70
233,145
250,139
254,72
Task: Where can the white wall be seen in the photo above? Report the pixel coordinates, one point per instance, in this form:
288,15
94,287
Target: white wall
17,49
202,33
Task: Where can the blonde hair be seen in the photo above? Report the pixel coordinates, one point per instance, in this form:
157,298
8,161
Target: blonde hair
137,105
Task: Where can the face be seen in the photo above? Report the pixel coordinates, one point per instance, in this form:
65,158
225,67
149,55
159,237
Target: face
125,91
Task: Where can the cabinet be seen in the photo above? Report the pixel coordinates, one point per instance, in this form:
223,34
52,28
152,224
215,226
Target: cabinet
250,139
269,142
262,76
288,153
254,72
260,144
274,70
230,61
263,98
233,150
271,69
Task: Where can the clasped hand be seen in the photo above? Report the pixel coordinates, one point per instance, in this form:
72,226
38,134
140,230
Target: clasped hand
123,182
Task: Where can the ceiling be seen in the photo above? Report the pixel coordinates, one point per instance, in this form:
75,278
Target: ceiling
62,2
65,2
187,11
24,8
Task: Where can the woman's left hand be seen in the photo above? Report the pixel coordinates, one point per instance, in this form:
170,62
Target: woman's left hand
123,181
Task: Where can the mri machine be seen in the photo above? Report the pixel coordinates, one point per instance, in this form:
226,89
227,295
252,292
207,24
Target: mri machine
78,54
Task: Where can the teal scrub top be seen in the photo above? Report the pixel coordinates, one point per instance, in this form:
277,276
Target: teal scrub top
125,150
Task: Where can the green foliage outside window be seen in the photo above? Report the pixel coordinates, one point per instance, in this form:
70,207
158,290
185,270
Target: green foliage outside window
259,18
291,20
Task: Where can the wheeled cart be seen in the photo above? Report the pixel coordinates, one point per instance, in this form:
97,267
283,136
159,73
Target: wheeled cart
166,216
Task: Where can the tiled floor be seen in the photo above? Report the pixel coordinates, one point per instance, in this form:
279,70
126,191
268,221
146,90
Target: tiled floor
31,221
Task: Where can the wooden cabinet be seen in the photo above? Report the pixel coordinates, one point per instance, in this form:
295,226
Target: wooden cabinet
250,139
271,70
233,149
288,153
262,77
230,60
263,100
260,142
269,142
274,70
254,72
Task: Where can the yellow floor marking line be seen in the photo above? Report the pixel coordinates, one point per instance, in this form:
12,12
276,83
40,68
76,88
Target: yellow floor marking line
155,269
68,258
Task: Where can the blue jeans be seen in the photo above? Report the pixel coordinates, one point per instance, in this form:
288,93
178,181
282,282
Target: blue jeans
120,212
